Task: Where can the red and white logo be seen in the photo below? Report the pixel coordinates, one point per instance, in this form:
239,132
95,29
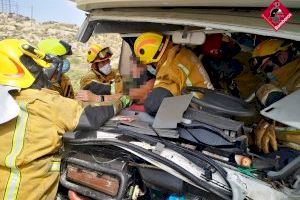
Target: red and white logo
276,14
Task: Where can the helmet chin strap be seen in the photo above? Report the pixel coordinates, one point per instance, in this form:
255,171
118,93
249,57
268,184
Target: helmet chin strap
40,82
43,79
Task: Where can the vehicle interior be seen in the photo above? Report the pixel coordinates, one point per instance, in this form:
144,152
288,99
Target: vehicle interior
193,148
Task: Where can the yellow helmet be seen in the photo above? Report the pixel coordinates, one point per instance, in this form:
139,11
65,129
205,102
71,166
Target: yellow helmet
149,47
270,47
17,63
97,53
55,47
267,50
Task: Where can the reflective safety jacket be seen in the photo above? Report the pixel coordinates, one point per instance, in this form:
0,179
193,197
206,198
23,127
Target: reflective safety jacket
288,76
112,80
65,87
29,144
180,67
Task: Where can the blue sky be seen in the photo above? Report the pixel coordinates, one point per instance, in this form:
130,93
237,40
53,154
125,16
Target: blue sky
51,10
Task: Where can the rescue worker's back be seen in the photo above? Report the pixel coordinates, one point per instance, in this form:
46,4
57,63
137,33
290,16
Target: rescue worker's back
31,137
29,144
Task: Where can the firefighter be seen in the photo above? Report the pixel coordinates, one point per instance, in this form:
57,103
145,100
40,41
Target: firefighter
33,120
277,59
61,49
176,68
218,52
101,83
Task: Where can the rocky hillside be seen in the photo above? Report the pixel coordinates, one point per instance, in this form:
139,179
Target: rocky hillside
17,26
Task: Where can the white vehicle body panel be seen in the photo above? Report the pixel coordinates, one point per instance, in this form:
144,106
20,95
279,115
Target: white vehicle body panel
208,19
96,4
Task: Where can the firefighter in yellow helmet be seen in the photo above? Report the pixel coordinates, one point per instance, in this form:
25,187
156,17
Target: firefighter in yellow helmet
271,54
176,68
33,121
277,59
101,83
61,49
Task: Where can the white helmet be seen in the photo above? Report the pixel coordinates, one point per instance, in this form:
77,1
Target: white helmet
9,108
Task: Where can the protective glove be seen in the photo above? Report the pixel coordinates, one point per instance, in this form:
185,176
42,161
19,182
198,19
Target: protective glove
126,101
121,103
265,136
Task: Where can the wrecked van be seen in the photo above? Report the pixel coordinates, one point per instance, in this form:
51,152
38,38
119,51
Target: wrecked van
187,152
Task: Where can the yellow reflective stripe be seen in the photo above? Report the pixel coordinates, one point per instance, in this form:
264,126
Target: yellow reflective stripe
113,88
195,94
156,82
55,166
12,186
188,81
184,69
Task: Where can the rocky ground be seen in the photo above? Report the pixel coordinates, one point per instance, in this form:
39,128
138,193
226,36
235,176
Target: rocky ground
17,26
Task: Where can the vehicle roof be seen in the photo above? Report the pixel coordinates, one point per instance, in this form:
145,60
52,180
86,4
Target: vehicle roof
137,20
88,5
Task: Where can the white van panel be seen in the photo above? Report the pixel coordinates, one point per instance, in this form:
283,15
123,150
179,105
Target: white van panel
88,5
230,20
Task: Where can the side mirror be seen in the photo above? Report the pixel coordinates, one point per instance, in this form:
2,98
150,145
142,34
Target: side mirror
86,30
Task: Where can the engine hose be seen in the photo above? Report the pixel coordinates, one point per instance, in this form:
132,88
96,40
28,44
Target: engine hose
154,156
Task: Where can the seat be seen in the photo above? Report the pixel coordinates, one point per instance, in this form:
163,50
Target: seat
220,103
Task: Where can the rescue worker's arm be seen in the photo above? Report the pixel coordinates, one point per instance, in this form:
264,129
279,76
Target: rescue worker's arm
87,79
98,88
181,68
154,99
169,76
71,115
112,84
97,92
93,117
88,96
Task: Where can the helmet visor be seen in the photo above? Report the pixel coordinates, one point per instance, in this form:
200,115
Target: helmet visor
257,62
105,54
